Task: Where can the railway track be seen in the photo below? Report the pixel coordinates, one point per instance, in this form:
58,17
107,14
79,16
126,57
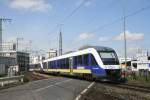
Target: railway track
138,88
144,89
134,87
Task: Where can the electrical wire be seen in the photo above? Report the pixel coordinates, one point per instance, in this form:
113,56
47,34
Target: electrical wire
120,19
69,15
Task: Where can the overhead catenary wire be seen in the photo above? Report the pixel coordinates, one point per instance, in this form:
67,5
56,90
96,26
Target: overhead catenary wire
120,19
94,17
69,15
74,11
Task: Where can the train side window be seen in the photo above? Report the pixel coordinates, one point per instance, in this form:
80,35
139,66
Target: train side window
50,64
67,62
79,59
55,66
62,63
93,61
149,58
58,63
75,61
44,65
86,60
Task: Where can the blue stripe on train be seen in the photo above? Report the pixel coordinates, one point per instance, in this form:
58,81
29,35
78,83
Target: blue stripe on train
96,70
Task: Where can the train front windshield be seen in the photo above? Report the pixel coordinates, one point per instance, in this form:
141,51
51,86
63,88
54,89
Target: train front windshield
109,57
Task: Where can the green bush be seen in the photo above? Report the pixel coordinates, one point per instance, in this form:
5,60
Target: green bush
26,77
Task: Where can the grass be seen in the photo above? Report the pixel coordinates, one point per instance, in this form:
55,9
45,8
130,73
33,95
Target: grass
3,75
141,80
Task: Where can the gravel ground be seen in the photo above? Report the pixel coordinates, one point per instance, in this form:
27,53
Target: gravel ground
105,92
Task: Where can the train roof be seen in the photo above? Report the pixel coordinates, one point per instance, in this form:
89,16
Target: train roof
98,48
85,50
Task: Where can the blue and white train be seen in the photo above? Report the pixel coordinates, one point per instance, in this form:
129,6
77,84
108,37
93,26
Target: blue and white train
91,62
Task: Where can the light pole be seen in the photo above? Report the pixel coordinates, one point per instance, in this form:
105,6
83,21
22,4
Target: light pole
125,41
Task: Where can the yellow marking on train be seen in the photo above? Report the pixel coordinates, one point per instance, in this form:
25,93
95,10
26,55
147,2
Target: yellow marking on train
59,70
69,71
81,71
63,70
37,69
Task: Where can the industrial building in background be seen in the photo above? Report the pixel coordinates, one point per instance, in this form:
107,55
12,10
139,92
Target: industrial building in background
52,53
21,60
5,63
9,46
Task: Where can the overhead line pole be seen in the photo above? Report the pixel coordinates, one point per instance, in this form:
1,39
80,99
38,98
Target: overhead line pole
124,32
125,40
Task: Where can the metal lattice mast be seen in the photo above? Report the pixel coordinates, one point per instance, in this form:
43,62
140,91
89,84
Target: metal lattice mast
60,42
1,29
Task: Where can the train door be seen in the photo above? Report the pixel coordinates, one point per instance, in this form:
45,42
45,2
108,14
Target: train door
71,64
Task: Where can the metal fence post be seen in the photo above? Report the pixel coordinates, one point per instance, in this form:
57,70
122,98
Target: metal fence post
22,79
2,84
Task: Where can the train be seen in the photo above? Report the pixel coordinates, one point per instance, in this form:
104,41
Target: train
93,62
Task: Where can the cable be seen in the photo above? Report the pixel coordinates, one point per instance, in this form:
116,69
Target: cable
69,15
74,11
101,27
138,11
94,17
120,19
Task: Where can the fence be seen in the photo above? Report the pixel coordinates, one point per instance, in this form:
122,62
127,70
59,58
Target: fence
8,80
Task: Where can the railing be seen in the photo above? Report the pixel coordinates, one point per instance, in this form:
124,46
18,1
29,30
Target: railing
7,80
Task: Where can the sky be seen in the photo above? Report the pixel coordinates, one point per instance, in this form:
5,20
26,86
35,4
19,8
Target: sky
83,22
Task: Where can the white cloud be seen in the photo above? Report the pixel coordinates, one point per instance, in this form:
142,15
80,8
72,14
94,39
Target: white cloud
85,36
132,50
104,39
30,5
130,36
